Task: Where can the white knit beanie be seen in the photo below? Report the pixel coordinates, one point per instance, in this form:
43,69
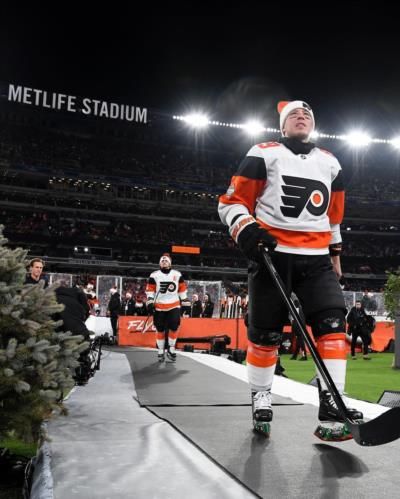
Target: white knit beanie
166,256
286,107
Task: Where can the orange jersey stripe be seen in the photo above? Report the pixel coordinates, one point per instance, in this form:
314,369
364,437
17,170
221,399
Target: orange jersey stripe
245,192
261,356
299,239
332,346
336,207
266,145
182,287
167,306
151,287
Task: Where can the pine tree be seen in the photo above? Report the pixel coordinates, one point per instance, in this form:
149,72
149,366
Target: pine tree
36,362
392,304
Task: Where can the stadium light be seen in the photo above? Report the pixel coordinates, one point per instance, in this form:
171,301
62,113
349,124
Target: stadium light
358,139
196,120
254,127
395,142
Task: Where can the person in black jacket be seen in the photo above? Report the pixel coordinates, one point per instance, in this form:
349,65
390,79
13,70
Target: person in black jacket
208,306
140,307
113,309
35,275
76,310
128,305
359,325
197,307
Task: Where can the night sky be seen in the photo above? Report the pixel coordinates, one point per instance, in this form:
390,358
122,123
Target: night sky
347,65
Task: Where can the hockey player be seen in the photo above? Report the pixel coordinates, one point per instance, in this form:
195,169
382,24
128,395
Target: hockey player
165,289
288,196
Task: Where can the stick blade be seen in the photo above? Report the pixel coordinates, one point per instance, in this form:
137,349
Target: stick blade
381,430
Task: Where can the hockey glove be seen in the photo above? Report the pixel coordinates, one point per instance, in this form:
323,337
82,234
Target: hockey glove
249,235
150,308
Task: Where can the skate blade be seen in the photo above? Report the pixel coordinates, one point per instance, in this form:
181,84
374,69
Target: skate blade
333,432
262,428
161,359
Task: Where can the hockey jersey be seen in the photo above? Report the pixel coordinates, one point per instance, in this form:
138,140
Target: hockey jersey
298,198
166,289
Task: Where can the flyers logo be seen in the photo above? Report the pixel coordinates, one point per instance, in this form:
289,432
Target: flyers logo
303,193
167,286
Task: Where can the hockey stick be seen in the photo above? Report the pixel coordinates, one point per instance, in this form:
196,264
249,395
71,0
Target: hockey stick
148,317
381,430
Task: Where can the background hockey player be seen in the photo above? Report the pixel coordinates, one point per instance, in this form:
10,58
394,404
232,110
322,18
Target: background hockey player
165,289
288,196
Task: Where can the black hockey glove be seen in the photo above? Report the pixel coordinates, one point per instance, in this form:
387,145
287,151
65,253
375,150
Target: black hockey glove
249,235
150,308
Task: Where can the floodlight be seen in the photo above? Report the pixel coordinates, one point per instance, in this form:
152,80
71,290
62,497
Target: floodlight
358,139
196,120
395,142
254,127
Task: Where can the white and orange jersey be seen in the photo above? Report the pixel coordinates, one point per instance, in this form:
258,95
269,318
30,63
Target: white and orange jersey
167,289
298,198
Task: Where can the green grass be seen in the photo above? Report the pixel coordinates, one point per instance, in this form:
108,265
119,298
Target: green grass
13,490
18,447
365,380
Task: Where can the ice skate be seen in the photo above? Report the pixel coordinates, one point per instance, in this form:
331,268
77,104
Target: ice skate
262,412
171,356
161,356
332,427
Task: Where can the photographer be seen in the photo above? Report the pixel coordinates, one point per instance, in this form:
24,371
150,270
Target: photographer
76,310
74,315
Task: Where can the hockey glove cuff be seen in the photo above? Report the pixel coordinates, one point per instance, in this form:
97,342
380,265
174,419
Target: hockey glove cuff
335,249
248,234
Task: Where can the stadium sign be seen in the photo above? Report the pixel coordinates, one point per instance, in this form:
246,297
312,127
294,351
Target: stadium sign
75,104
